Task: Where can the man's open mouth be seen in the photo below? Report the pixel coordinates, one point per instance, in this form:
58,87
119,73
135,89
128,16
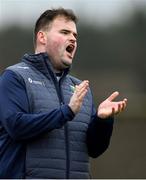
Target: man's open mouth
70,48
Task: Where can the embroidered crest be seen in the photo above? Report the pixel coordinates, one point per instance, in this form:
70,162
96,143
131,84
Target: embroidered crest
72,88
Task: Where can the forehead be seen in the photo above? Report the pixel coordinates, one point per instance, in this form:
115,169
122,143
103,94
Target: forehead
61,22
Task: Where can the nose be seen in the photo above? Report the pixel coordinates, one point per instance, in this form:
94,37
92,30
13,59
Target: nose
73,39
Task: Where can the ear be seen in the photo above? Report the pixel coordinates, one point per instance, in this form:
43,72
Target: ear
41,37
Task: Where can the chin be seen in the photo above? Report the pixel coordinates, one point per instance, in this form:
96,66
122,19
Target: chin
67,63
65,66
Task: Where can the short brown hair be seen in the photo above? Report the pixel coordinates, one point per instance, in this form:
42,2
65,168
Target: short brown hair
49,15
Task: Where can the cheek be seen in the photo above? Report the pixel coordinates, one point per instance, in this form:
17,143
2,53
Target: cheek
55,45
59,43
56,41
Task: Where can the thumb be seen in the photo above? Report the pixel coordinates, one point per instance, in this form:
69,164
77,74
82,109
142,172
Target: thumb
113,96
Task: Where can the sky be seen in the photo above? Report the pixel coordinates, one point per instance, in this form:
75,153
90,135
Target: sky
101,12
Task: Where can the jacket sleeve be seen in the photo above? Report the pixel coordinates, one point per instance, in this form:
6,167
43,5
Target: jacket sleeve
14,111
98,135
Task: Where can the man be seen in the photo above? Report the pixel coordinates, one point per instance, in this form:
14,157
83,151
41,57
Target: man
48,124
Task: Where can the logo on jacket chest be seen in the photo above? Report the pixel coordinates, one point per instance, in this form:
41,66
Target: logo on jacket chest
35,82
73,88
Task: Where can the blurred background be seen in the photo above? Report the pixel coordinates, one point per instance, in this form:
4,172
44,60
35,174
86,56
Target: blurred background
111,55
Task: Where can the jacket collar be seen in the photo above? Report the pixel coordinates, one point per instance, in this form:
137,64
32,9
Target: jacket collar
42,63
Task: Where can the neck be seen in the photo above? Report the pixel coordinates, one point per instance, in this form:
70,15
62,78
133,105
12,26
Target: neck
38,50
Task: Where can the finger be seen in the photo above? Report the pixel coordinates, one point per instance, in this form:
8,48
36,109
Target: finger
81,87
116,110
124,103
81,91
125,100
82,95
82,84
113,96
120,106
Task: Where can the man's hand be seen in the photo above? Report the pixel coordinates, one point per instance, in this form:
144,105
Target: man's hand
78,96
109,107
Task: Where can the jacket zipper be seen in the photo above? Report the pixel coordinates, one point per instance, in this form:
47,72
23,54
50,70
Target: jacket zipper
60,97
65,132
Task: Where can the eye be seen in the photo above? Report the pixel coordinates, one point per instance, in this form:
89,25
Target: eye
64,32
